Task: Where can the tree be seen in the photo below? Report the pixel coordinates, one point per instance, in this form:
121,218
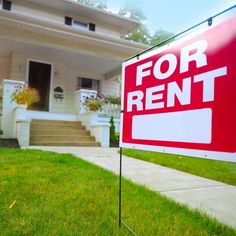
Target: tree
133,10
101,4
159,36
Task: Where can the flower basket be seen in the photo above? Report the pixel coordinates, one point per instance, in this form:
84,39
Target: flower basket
25,96
93,104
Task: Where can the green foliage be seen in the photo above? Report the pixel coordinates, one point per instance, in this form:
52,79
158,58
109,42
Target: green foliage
159,36
212,169
58,194
1,132
114,99
132,9
101,4
141,34
112,130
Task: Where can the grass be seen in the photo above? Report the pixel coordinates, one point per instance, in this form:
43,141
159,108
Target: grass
58,194
212,169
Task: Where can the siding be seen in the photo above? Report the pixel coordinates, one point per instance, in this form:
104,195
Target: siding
39,12
4,68
110,87
18,67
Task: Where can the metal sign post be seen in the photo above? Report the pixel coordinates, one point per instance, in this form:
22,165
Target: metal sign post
121,222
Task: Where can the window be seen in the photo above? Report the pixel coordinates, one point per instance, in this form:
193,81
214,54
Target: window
6,5
68,20
91,27
87,83
80,25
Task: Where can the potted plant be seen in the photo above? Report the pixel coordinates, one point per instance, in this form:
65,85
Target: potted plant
114,100
25,96
93,104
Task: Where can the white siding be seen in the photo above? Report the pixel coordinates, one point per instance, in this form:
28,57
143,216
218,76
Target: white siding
64,78
18,67
40,12
110,87
4,68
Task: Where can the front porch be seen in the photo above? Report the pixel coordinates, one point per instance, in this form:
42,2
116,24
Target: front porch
30,127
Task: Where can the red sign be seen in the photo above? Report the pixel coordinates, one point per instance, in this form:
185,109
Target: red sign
181,98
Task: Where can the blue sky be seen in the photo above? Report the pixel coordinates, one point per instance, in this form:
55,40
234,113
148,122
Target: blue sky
175,15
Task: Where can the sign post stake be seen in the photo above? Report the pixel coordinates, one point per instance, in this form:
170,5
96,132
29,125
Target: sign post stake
120,198
120,186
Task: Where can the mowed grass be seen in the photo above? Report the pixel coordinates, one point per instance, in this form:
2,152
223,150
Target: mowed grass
212,169
58,194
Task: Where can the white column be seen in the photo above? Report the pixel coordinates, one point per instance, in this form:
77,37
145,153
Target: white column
101,132
8,107
80,97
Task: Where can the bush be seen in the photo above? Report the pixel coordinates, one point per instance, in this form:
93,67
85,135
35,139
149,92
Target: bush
112,130
114,137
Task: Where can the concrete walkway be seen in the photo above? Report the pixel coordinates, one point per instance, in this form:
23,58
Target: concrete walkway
214,198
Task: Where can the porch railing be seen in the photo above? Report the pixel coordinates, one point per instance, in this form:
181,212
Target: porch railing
111,109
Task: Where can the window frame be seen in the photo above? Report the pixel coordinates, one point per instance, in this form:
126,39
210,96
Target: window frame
95,84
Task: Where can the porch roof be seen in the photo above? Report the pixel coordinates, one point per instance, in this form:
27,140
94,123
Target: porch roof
101,54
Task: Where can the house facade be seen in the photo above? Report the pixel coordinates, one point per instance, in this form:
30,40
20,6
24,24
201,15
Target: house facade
65,50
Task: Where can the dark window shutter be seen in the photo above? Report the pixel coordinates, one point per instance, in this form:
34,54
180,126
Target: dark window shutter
6,5
92,27
68,20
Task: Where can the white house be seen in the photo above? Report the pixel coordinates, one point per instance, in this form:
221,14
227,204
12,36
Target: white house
66,51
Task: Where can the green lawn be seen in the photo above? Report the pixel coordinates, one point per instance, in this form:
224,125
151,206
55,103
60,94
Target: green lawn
58,194
212,169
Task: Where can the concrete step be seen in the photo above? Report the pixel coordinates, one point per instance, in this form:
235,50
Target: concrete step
62,138
58,126
60,133
38,131
55,122
65,143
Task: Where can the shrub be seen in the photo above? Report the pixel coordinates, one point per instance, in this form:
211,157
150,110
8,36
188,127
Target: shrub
114,99
112,130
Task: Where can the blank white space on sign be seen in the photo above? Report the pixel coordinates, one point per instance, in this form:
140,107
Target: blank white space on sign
192,126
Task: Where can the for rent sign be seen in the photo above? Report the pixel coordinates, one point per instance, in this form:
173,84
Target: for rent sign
182,98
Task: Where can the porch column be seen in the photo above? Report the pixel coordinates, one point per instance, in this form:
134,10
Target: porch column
8,107
80,97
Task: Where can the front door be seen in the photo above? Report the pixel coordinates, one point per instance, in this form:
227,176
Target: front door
39,78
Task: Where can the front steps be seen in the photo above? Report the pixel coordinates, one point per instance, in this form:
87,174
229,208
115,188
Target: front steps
60,133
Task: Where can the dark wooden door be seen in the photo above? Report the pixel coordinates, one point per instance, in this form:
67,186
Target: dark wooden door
39,78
